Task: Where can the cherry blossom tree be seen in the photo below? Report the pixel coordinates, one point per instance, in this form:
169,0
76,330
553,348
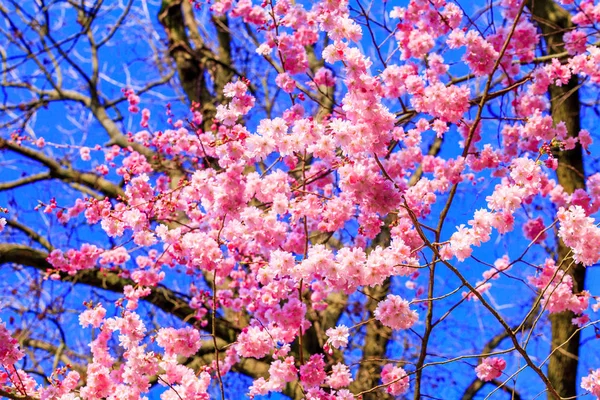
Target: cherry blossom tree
326,200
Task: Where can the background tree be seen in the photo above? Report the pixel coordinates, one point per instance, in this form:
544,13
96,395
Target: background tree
293,170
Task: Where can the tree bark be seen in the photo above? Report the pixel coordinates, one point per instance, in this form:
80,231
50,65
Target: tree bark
554,21
377,336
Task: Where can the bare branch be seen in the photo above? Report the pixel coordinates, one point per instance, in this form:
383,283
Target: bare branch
68,175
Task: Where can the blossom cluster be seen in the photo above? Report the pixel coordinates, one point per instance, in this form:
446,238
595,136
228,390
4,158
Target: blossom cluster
490,368
278,218
9,349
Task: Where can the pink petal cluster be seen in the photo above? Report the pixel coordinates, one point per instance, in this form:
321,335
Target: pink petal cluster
490,368
480,55
75,260
580,233
533,230
93,317
525,181
395,313
340,376
60,389
179,342
254,341
282,372
312,373
395,378
9,347
338,336
557,290
591,383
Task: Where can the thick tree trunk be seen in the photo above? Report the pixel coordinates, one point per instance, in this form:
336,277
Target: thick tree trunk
554,21
196,63
562,369
377,336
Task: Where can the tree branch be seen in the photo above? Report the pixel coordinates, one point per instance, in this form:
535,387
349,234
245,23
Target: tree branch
68,175
160,296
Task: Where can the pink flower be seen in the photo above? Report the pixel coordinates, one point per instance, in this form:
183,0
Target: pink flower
461,242
338,336
84,152
340,376
480,55
179,342
9,347
581,320
285,82
313,372
534,230
490,368
145,118
344,27
575,41
133,100
282,372
580,233
116,256
255,342
324,77
585,139
396,379
395,313
448,103
92,317
557,290
343,394
591,383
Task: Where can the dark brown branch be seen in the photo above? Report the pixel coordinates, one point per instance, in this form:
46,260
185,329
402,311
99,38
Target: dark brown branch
160,296
554,21
27,180
68,175
477,385
30,233
14,396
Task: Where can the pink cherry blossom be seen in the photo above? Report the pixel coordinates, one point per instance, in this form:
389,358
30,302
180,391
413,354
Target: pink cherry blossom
396,379
254,342
338,336
490,368
591,382
312,373
394,312
331,167
534,230
93,317
9,347
340,376
179,342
